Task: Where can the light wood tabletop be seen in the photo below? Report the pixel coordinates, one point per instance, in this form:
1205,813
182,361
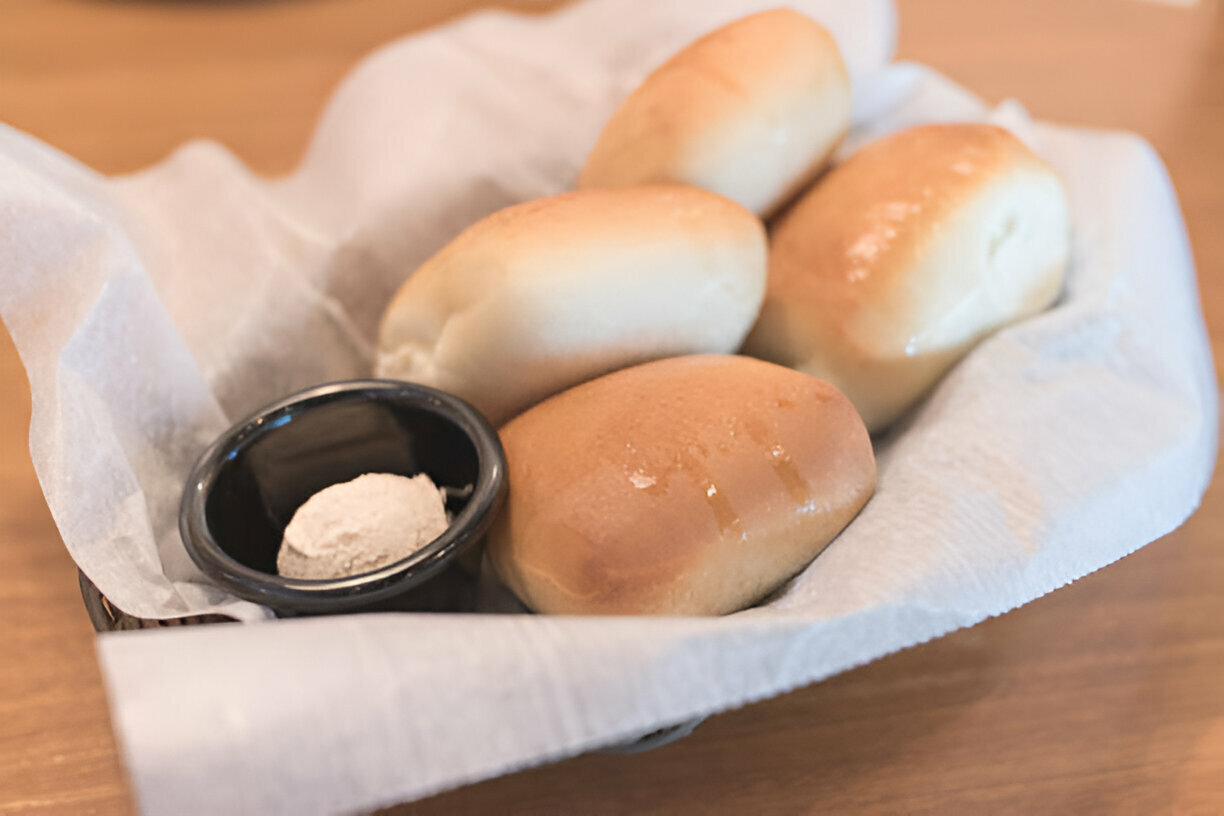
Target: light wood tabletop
1104,697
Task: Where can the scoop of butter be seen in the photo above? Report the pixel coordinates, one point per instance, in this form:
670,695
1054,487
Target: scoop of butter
359,526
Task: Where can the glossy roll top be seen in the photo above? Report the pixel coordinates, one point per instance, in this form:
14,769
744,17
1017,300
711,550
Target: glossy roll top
902,258
687,486
751,111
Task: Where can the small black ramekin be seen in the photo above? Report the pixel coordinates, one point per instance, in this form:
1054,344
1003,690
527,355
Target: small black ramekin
246,487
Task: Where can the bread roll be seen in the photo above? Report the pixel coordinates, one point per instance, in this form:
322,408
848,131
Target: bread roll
750,111
901,259
688,486
543,295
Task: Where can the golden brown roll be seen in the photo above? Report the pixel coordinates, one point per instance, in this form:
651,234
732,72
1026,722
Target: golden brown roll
543,295
688,486
751,111
901,259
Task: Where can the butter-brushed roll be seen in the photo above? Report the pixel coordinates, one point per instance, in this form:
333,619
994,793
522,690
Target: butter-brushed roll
901,259
688,486
751,111
543,295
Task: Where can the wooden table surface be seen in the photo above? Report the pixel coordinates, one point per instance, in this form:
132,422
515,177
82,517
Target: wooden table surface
1105,697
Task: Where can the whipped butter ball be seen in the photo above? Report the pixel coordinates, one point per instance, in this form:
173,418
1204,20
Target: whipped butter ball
361,525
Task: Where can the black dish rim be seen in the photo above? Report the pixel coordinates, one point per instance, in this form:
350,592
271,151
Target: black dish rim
337,595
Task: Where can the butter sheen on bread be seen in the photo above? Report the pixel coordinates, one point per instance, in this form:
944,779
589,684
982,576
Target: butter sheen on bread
901,259
688,486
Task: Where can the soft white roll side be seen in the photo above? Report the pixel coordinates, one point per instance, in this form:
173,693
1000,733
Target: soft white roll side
751,111
541,296
899,261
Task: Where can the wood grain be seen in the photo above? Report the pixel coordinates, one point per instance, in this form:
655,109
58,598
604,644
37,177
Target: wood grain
1104,697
